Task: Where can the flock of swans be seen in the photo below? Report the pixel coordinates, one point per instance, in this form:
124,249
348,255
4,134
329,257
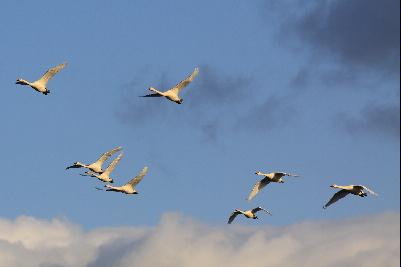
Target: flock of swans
96,170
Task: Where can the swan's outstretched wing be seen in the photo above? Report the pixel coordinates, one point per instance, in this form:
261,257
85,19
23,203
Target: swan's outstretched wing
181,85
259,209
287,174
139,177
232,216
257,187
50,73
113,164
337,196
370,191
107,155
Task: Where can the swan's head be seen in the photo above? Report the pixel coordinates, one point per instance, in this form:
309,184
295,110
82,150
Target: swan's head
258,173
333,185
20,81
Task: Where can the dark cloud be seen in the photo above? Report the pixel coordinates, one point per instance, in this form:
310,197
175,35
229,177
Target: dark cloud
356,37
382,120
365,33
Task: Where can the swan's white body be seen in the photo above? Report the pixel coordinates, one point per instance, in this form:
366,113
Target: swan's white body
273,177
105,176
357,190
129,188
97,165
40,85
173,93
250,214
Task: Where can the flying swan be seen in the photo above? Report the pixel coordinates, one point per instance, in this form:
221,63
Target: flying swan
274,177
105,176
173,93
97,165
40,85
357,190
250,214
129,188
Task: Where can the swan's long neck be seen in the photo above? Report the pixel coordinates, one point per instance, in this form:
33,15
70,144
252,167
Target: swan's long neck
81,165
111,187
22,81
156,91
340,186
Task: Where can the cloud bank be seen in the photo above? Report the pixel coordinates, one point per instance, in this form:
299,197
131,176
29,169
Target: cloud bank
179,241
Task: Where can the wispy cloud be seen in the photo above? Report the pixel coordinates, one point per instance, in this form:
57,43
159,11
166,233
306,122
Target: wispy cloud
214,103
178,241
381,120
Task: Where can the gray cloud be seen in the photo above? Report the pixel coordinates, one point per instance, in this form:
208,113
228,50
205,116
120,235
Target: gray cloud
347,40
373,119
178,241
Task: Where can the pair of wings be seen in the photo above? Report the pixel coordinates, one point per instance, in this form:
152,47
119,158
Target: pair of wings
102,158
237,212
109,168
262,183
105,156
50,73
343,193
181,85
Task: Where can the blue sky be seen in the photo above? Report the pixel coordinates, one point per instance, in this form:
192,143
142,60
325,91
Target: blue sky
311,89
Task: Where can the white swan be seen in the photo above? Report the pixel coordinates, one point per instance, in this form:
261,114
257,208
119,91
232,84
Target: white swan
129,188
358,190
275,177
97,165
40,85
250,214
173,93
105,176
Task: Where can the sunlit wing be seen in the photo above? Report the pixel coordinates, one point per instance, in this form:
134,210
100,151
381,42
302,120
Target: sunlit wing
108,154
137,179
181,85
113,164
257,187
50,73
337,196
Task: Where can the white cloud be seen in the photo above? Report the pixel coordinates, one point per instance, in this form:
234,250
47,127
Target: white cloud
182,242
